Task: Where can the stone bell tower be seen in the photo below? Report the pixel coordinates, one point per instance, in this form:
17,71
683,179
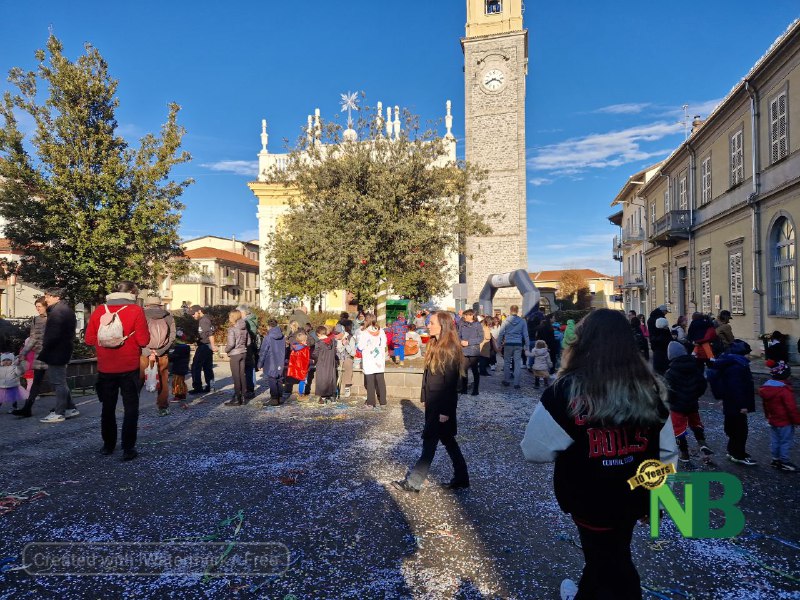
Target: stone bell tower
495,65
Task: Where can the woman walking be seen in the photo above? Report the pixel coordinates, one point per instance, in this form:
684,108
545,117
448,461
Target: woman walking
604,416
236,349
443,371
34,344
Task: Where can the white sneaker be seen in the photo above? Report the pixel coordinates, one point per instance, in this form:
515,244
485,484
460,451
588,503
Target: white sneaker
53,418
71,412
568,589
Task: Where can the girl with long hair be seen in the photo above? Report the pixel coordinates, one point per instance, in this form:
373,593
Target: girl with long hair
443,371
605,414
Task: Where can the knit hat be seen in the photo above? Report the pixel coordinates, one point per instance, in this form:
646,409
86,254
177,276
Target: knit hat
6,356
663,308
662,323
780,371
676,349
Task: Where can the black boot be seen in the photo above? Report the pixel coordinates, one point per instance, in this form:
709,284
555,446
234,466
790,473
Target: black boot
474,389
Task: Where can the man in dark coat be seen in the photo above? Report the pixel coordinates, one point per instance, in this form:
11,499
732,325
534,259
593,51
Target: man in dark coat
203,361
300,315
57,346
545,333
660,312
271,360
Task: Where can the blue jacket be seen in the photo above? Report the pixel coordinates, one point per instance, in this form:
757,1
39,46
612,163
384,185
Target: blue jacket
514,332
273,353
732,382
472,333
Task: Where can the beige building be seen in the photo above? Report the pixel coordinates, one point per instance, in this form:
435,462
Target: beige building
603,288
225,272
17,297
631,245
273,198
495,66
721,209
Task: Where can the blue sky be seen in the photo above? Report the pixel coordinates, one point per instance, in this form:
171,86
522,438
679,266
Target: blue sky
605,87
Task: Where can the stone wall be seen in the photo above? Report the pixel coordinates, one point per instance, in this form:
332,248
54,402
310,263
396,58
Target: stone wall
405,383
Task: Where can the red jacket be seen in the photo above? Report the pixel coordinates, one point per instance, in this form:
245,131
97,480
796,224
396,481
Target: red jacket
298,362
126,357
780,407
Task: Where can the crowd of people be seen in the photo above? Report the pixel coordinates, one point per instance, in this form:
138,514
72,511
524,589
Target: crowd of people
618,390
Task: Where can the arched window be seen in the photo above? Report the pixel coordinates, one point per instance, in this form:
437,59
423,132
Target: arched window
784,268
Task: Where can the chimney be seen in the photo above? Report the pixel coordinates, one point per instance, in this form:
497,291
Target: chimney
697,122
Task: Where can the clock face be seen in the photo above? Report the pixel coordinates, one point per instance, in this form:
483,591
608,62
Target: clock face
493,79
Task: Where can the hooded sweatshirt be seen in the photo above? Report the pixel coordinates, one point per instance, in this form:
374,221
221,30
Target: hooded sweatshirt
569,334
372,344
686,384
732,382
273,353
780,406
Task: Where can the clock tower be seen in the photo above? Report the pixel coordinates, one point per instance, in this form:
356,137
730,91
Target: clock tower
495,65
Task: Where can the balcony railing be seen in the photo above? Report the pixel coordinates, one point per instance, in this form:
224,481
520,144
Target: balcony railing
229,281
632,279
196,278
671,228
631,235
616,248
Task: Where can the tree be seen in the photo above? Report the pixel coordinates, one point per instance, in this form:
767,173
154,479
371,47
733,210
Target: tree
372,214
84,208
573,291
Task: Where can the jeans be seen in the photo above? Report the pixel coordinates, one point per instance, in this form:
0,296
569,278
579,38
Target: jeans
238,374
57,376
512,353
202,363
781,441
400,353
162,362
109,386
33,392
375,383
736,430
609,573
419,473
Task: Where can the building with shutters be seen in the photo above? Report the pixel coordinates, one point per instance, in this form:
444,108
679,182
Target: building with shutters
720,212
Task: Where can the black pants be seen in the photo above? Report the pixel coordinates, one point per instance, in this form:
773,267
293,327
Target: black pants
375,383
471,363
250,372
238,374
202,363
274,387
419,473
36,384
483,365
109,386
288,386
736,430
609,573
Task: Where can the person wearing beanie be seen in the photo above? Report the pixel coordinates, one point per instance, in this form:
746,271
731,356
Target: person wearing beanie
660,337
780,409
685,385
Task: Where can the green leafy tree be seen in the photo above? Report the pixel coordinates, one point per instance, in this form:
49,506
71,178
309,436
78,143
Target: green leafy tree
85,208
373,213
